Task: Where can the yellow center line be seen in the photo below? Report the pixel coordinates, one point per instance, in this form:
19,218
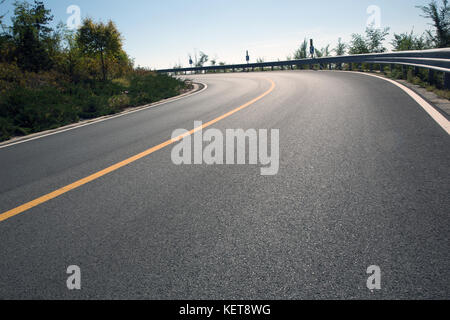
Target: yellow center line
52,195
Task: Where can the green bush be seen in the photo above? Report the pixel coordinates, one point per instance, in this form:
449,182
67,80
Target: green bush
118,102
47,104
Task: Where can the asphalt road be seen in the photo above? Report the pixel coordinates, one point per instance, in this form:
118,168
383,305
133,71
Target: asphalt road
364,180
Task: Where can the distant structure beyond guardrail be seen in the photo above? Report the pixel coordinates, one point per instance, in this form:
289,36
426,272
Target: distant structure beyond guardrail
432,60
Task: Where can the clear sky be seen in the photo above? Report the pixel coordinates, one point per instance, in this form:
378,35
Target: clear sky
161,33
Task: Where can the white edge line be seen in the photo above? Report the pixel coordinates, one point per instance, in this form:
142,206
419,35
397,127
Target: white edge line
205,86
436,115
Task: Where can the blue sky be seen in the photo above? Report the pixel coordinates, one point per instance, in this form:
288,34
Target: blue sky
161,33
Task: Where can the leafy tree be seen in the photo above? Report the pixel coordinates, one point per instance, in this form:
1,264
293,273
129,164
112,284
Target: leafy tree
120,64
203,59
4,38
358,45
31,35
372,42
2,15
324,52
47,75
375,38
100,40
409,41
70,54
440,15
340,48
301,53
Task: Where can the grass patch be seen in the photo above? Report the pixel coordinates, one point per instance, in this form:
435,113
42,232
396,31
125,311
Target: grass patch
49,102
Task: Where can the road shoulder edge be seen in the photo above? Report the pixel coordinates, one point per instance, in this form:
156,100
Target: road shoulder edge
433,111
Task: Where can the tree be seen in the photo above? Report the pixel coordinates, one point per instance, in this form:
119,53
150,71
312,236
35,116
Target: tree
4,38
2,15
71,54
100,40
409,41
358,44
301,53
203,59
324,52
440,15
372,42
31,34
375,38
340,48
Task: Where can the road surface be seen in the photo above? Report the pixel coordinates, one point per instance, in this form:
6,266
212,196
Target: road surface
364,180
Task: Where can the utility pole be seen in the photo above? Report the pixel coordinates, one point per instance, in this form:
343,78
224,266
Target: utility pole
247,58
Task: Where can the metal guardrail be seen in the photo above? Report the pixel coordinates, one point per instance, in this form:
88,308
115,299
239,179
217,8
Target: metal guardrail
432,60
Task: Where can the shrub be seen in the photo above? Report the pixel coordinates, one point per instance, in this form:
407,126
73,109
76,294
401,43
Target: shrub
118,102
32,102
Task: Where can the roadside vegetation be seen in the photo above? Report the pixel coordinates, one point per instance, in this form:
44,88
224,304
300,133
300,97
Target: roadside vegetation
373,41
438,13
50,77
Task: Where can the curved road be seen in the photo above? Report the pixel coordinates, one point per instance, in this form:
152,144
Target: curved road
364,180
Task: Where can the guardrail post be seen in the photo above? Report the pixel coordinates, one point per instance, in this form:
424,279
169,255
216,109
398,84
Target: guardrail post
271,67
350,67
431,76
392,68
416,71
232,69
446,80
370,67
405,72
381,68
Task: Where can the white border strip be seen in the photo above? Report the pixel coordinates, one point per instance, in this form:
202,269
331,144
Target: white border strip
439,118
157,104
